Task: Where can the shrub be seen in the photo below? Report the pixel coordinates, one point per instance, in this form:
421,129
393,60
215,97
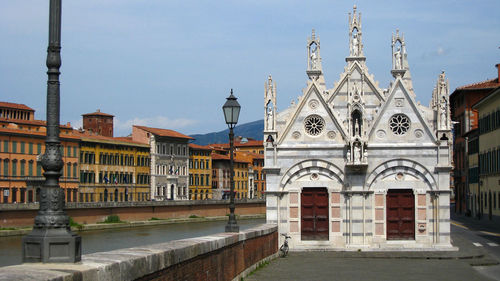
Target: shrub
112,219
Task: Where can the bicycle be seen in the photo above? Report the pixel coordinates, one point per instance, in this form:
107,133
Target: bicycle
284,248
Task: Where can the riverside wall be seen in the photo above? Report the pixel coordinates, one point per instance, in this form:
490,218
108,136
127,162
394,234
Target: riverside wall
22,215
223,256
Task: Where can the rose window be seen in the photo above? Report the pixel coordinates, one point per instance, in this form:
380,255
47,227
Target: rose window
399,124
314,125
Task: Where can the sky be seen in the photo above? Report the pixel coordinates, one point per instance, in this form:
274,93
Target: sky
171,64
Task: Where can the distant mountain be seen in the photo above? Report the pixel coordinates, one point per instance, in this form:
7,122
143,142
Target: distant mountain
252,130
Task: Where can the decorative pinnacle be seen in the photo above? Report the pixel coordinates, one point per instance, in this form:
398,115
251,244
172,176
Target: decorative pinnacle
313,34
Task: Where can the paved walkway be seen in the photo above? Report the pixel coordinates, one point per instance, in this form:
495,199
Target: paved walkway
453,265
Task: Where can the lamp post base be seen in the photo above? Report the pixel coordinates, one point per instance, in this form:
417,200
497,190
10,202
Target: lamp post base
52,245
232,228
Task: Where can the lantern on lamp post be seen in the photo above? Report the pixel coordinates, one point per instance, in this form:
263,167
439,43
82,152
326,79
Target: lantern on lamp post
231,113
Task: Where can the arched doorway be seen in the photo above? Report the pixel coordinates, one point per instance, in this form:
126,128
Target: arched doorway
314,214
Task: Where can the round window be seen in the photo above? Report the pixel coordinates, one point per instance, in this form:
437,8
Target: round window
314,125
399,124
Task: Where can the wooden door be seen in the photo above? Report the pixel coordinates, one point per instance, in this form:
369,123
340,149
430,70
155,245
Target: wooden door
314,214
400,214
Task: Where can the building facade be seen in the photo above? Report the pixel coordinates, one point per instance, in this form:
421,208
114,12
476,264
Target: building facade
466,120
169,161
488,191
99,123
22,142
200,172
358,166
113,169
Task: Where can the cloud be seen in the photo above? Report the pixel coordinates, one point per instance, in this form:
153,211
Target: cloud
125,127
440,51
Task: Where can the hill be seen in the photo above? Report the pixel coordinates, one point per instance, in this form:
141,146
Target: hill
248,130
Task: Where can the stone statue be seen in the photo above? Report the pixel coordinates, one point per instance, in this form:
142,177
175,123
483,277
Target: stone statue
270,119
348,155
355,44
314,57
365,155
357,153
397,59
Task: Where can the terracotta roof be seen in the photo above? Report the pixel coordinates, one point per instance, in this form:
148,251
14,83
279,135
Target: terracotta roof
92,137
216,156
41,134
200,147
249,143
164,132
98,113
488,84
15,105
31,122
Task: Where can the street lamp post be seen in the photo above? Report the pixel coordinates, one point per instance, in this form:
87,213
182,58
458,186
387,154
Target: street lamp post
231,113
51,239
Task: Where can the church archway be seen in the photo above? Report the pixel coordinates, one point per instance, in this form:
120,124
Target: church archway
316,166
402,167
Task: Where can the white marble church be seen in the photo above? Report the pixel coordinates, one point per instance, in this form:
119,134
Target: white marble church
357,166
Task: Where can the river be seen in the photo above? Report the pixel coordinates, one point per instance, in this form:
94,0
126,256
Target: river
112,239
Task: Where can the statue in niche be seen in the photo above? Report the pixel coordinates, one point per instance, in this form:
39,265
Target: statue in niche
365,155
355,43
442,113
314,56
270,119
357,153
348,155
397,59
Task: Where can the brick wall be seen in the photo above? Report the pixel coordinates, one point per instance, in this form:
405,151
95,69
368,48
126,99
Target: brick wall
16,215
222,256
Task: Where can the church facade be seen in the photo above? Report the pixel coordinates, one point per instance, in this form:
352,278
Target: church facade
357,166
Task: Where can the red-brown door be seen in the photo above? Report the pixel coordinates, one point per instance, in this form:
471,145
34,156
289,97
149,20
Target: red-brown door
400,214
314,214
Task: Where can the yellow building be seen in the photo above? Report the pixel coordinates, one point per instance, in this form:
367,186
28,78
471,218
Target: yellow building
113,169
241,172
22,142
489,154
200,172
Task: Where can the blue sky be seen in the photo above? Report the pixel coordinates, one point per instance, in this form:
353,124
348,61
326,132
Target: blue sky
171,64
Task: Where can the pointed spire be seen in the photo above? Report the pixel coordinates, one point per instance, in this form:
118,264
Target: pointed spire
314,68
270,104
355,34
442,102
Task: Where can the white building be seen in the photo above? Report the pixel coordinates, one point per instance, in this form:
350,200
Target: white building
358,166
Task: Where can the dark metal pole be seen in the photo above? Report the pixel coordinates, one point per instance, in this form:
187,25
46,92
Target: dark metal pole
51,239
232,225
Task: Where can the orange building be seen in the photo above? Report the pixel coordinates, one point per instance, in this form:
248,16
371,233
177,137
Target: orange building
200,172
22,142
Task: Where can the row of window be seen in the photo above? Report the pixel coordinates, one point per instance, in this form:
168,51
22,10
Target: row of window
195,179
114,196
199,164
162,148
489,122
489,162
29,148
170,170
199,153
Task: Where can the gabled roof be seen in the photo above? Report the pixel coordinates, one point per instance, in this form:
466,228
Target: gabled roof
15,106
164,132
488,84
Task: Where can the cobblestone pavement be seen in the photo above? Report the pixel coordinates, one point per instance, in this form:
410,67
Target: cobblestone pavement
454,265
314,266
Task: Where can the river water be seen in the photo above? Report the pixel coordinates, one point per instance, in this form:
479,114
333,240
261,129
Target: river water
112,239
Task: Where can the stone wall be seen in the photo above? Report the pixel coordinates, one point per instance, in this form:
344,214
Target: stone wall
223,256
18,215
